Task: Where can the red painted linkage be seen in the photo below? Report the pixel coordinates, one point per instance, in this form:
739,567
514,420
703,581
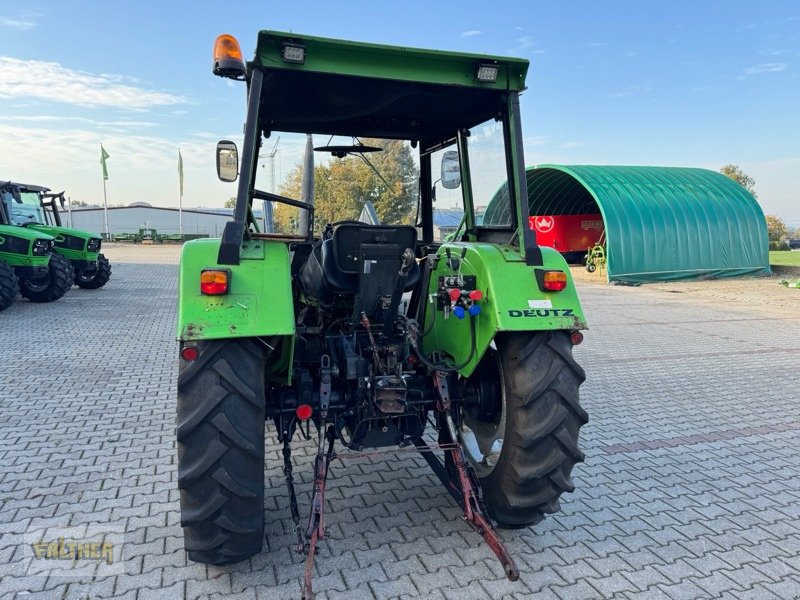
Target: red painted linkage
469,487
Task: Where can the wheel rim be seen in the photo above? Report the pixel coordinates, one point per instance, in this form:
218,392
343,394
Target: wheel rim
38,285
482,430
88,276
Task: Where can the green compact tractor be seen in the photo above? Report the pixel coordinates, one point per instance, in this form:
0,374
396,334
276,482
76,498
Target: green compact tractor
33,207
28,265
376,334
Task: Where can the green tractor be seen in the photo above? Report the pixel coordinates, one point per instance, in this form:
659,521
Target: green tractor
28,265
34,207
376,334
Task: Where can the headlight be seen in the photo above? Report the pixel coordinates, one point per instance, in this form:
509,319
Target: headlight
41,247
93,245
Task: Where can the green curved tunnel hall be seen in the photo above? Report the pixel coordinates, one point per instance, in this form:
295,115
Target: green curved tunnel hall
661,223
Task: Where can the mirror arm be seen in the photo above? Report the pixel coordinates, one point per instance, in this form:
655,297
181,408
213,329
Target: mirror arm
233,234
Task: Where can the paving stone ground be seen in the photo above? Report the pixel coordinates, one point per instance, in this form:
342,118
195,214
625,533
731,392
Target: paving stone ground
691,487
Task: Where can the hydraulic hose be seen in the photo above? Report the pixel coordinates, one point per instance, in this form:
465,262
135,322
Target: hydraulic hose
412,328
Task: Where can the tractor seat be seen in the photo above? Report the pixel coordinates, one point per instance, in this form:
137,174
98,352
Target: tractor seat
334,265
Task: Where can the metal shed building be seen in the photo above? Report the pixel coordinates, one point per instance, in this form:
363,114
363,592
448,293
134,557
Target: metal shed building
661,223
128,219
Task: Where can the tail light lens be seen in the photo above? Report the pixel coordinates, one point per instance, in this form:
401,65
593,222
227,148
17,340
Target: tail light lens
551,281
190,353
304,412
215,282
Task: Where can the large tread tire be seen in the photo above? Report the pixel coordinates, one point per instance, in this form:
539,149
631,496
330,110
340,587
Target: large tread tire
60,276
543,419
9,286
98,278
220,431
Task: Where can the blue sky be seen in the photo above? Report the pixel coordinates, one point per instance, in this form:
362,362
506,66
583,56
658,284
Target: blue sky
617,82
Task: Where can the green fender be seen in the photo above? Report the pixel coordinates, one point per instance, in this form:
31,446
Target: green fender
512,300
259,302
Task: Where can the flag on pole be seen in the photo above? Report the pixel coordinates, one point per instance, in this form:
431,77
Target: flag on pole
180,170
103,156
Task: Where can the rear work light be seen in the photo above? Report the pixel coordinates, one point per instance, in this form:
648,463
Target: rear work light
215,282
551,281
487,73
294,53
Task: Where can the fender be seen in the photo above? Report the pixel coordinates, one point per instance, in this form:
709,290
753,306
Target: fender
260,299
512,300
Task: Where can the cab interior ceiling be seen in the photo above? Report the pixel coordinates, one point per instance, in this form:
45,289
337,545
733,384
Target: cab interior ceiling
304,102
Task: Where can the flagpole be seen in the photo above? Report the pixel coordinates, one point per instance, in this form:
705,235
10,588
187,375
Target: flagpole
180,215
180,194
104,173
105,209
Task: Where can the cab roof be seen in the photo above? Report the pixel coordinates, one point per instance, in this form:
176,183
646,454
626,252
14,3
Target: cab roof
374,90
24,187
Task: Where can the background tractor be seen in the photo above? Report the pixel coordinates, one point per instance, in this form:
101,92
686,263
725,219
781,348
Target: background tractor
376,334
34,207
28,265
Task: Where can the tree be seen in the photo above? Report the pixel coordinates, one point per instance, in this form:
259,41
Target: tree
230,202
342,186
740,177
776,228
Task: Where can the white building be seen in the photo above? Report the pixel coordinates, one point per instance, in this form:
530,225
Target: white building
128,219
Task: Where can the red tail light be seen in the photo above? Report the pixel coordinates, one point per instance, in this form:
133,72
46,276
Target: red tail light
189,353
553,281
304,412
576,337
215,282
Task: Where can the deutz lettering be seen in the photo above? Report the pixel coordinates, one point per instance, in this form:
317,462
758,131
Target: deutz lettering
542,312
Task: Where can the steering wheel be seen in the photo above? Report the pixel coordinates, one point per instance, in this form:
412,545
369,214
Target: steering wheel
29,223
327,233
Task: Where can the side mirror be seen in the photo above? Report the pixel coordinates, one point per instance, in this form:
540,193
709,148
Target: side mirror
227,161
451,170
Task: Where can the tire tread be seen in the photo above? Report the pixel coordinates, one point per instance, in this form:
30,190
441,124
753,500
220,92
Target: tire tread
220,431
544,417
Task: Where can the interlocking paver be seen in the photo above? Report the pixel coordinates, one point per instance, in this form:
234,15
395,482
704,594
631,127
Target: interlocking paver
691,487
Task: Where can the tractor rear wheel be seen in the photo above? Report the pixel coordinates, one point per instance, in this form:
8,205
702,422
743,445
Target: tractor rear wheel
9,286
53,285
220,430
521,436
91,279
